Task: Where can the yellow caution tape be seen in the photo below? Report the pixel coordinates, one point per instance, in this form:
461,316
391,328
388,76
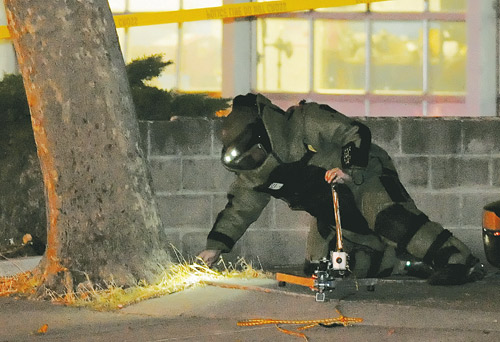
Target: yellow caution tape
4,33
246,9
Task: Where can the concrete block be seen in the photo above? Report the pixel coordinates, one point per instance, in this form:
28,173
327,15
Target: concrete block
473,238
430,136
216,131
496,172
171,239
481,136
275,247
219,203
205,174
413,171
166,174
444,172
185,210
266,218
385,133
144,137
11,267
186,136
291,219
442,208
449,172
473,204
195,241
473,171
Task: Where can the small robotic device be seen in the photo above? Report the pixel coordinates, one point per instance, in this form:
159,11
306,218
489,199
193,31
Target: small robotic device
330,270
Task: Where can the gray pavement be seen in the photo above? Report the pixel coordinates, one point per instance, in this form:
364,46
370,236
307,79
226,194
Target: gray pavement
399,309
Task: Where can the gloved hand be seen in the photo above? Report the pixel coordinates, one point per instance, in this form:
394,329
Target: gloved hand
336,175
210,256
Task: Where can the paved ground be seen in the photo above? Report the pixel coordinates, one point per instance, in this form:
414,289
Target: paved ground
398,310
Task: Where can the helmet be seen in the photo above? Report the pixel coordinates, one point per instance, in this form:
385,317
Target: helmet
245,141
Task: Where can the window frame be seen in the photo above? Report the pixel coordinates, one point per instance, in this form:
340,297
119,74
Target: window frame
426,99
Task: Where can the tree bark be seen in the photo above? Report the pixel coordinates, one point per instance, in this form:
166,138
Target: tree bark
102,221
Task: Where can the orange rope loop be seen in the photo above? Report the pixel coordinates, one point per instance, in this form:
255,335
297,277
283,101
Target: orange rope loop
307,324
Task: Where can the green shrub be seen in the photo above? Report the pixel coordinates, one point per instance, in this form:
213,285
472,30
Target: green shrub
151,103
13,102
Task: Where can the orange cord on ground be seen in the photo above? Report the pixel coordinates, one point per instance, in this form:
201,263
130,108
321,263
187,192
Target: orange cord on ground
345,321
237,287
291,332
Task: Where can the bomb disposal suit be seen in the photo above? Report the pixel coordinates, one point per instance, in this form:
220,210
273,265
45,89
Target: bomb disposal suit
286,154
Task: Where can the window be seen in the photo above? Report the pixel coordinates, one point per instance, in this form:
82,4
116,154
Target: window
447,55
399,57
339,56
283,44
194,47
398,6
200,57
448,6
396,57
405,57
120,6
8,60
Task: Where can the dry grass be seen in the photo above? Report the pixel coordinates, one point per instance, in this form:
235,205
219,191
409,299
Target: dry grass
22,283
174,278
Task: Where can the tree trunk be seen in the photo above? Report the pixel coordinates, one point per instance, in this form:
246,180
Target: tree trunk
102,221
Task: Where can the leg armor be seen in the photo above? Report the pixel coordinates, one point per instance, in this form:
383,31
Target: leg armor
318,240
413,233
369,256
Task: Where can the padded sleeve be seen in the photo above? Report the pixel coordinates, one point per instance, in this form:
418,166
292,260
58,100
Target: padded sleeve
244,207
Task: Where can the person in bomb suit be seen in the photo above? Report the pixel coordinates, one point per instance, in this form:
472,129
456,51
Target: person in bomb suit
293,155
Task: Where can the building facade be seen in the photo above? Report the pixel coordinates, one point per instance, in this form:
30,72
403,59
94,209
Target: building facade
389,58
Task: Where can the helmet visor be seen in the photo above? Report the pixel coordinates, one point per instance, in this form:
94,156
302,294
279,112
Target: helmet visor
248,150
235,159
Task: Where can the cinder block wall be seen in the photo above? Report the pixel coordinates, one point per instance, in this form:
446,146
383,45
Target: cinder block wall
449,165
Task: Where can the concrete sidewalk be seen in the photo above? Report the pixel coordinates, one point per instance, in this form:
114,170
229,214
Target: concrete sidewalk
398,310
14,266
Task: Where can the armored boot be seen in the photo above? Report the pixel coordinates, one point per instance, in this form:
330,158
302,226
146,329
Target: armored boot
457,274
410,266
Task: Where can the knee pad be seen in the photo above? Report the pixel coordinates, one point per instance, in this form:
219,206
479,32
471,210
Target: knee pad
369,256
399,225
359,263
365,263
437,246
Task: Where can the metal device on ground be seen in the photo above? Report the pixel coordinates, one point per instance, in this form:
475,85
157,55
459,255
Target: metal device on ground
330,270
